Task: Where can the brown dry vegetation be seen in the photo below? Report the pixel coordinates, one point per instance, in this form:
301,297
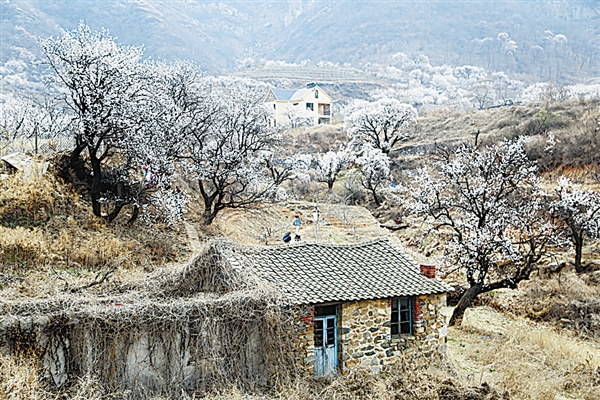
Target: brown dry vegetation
414,379
574,124
569,300
45,226
528,360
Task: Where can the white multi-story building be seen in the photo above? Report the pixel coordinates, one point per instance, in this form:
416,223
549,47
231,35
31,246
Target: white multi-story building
303,106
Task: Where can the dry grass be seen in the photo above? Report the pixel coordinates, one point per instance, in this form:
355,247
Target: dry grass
26,200
338,223
48,235
566,299
20,380
529,361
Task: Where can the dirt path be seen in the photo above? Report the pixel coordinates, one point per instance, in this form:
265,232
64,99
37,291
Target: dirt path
193,238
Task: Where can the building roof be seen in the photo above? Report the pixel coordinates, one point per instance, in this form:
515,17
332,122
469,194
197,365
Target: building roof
317,272
299,94
293,95
283,94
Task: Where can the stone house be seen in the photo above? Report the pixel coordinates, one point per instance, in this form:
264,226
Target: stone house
294,107
356,306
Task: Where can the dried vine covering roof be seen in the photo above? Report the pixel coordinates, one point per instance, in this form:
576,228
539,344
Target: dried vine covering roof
318,272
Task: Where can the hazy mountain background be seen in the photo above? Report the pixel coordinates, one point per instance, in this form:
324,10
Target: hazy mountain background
530,40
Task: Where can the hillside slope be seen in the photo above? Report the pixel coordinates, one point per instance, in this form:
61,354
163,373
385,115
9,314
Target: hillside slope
544,40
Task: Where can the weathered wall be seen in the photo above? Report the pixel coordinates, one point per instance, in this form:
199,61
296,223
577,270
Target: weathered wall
165,348
364,332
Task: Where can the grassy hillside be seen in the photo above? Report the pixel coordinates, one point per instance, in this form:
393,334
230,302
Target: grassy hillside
541,343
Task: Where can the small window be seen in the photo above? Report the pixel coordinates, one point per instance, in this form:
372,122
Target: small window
295,104
401,315
274,106
319,333
316,94
310,106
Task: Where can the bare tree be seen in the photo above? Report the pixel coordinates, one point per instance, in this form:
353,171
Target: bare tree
484,94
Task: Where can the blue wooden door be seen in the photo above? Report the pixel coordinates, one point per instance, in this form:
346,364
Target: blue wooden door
326,348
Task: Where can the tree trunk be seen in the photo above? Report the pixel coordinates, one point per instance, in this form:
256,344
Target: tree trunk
578,242
115,212
374,192
76,164
134,215
120,203
210,208
95,189
464,302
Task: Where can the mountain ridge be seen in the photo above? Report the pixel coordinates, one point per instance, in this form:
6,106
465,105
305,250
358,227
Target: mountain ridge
534,40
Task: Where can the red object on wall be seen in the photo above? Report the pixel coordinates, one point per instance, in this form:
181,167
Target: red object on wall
418,313
309,319
427,270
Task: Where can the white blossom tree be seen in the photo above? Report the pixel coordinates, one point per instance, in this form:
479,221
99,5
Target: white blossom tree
331,164
374,167
16,118
489,202
170,105
101,80
227,159
382,124
578,211
24,120
284,167
298,117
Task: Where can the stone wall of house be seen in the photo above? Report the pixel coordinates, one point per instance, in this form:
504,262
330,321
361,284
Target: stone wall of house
304,339
365,341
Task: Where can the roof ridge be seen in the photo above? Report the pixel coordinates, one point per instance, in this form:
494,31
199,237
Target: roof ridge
378,239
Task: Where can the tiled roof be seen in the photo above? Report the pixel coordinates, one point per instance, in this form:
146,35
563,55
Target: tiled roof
317,272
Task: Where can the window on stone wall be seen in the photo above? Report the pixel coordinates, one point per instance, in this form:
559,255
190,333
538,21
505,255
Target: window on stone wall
401,315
